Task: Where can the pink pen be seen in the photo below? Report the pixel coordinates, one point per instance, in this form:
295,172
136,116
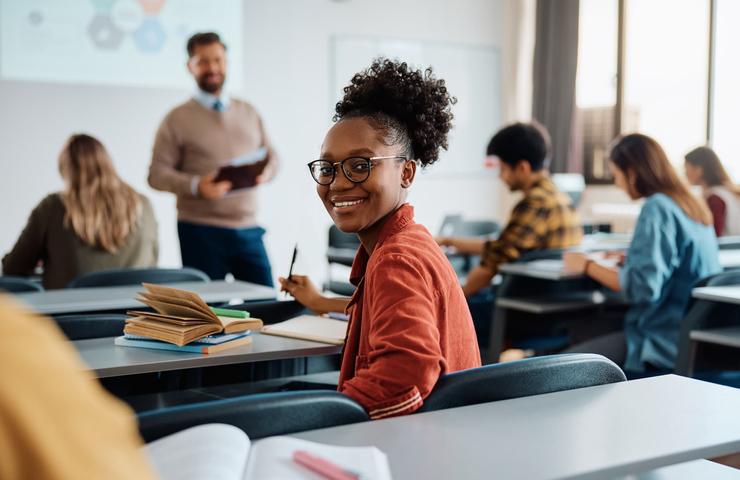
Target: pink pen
323,467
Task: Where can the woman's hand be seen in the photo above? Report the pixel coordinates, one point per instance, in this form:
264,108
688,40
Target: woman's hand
303,290
576,262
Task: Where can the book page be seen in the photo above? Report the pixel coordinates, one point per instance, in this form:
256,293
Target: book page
272,458
214,451
189,296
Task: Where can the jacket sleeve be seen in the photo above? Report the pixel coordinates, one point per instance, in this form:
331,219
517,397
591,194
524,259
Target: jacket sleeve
29,248
405,360
652,256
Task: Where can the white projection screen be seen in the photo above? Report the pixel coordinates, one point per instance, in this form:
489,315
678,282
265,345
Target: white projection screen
112,42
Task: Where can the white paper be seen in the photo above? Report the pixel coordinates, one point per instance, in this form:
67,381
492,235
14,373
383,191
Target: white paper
214,451
272,458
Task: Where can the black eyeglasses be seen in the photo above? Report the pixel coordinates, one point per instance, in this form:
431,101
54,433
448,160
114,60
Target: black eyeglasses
356,169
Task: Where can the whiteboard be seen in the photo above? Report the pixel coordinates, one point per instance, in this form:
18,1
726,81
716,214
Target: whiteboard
472,74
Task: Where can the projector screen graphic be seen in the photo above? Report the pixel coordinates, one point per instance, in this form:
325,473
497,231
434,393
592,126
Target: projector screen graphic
113,42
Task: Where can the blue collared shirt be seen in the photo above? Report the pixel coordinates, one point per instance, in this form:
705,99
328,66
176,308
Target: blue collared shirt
668,254
208,100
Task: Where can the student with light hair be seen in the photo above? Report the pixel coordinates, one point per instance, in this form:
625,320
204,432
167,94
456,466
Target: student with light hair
97,222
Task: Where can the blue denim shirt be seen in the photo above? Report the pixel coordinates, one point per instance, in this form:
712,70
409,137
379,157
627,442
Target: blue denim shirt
669,253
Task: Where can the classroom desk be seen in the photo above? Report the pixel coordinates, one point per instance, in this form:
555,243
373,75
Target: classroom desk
79,300
589,433
108,360
729,258
543,269
728,294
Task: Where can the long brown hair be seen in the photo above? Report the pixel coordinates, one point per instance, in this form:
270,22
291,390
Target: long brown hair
713,173
653,173
101,208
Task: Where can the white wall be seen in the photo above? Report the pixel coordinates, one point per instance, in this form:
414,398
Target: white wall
287,78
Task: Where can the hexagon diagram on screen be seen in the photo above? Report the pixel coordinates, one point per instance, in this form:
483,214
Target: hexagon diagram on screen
149,37
104,33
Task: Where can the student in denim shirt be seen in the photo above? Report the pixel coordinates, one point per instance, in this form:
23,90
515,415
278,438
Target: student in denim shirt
673,247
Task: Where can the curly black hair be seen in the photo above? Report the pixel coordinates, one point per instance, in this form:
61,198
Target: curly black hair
411,107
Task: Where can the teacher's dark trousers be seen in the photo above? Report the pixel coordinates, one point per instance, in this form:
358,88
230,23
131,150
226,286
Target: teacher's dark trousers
218,251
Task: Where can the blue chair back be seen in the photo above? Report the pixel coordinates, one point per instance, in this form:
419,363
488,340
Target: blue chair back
137,276
260,415
19,285
532,376
85,326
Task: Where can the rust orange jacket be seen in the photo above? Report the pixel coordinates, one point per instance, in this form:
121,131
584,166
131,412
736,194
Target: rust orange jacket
409,321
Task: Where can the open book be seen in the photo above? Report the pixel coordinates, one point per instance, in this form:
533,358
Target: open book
310,327
181,317
243,171
224,452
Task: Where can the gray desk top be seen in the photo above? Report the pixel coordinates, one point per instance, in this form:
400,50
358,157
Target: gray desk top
729,258
545,269
109,360
727,336
597,432
78,300
729,294
698,469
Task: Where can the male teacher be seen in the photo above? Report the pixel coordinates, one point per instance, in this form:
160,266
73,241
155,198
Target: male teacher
215,222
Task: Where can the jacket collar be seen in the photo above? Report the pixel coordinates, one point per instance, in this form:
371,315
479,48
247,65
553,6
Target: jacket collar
396,222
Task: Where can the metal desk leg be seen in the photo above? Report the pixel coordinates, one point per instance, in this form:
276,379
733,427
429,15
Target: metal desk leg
496,338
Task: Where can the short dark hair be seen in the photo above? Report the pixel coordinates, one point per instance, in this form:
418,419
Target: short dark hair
203,38
521,141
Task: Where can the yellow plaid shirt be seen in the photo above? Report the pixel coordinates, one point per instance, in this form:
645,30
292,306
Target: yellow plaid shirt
544,218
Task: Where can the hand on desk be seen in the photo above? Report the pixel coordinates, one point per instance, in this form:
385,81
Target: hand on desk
304,291
211,190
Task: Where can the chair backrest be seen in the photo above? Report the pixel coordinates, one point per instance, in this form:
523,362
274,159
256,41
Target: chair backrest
84,326
522,378
703,314
136,276
19,285
260,415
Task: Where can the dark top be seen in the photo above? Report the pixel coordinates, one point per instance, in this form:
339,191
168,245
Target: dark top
46,238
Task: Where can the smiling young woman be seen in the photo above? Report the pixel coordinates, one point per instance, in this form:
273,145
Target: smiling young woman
409,322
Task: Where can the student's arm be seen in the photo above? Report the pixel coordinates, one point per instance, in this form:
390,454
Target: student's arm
56,421
719,212
523,232
29,248
404,361
471,246
652,255
580,262
304,291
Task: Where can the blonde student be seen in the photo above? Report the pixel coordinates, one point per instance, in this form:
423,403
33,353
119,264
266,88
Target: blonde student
97,222
673,247
409,322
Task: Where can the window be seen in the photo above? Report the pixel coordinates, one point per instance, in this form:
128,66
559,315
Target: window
726,99
596,85
666,72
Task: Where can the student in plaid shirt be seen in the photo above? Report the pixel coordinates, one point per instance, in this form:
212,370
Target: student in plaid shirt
543,219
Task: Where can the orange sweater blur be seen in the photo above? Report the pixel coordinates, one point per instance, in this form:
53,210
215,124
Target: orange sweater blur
409,321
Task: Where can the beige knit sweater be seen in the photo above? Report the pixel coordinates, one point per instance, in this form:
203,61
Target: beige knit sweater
193,141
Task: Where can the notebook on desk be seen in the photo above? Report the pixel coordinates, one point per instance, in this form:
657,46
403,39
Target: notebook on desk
310,327
226,452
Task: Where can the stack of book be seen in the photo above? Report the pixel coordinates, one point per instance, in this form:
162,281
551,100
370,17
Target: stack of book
183,321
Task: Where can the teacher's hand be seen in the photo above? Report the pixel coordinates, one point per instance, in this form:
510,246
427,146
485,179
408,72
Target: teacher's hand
212,190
